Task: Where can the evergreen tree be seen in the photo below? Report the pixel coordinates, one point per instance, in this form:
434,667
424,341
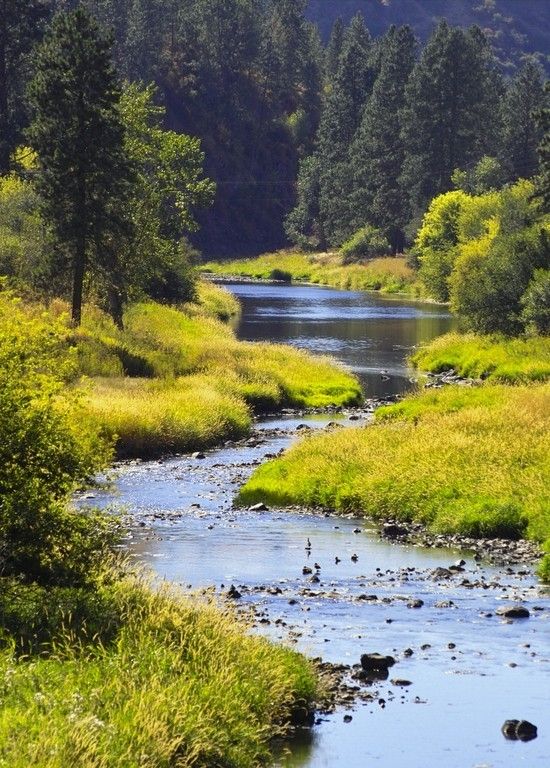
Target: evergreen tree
21,25
83,176
451,118
340,118
377,153
334,48
543,119
522,135
143,40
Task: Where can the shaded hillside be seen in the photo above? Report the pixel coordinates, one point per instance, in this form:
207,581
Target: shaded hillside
515,26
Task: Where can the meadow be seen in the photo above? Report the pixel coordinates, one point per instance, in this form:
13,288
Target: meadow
386,274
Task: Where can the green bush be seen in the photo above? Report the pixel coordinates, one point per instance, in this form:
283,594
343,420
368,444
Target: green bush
367,243
490,278
48,446
536,303
281,275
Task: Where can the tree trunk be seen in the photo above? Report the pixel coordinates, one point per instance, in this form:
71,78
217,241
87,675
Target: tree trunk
116,307
78,280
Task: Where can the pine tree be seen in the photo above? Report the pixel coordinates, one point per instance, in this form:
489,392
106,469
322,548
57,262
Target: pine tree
83,176
377,153
340,118
450,119
21,25
543,120
522,135
334,48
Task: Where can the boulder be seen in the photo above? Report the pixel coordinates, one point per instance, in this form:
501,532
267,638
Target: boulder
376,661
513,611
519,730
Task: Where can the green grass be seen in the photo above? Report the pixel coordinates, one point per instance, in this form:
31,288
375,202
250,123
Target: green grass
176,380
181,684
388,275
495,358
472,461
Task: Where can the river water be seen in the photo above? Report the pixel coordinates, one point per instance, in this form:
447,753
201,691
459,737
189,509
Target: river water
469,669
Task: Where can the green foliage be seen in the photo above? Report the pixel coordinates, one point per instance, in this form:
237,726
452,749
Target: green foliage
473,461
491,277
436,242
543,120
83,176
367,243
451,117
48,446
487,175
535,303
522,134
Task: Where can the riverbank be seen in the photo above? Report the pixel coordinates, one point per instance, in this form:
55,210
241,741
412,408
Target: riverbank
178,681
389,275
460,460
178,379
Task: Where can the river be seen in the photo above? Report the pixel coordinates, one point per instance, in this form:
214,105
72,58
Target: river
469,669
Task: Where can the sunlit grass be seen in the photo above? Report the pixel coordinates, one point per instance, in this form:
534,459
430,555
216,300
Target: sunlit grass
387,274
474,461
182,684
174,381
495,358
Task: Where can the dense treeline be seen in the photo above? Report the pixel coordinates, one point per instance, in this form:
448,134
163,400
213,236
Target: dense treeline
375,126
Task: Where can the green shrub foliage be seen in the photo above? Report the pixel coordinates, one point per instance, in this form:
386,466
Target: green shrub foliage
367,243
48,445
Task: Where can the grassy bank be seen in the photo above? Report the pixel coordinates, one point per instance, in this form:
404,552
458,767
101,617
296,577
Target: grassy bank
178,684
472,461
387,275
176,380
495,358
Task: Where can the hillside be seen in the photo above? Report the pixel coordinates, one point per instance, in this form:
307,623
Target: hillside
515,26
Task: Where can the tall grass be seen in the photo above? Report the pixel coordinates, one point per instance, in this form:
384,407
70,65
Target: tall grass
181,685
174,381
496,358
388,275
475,462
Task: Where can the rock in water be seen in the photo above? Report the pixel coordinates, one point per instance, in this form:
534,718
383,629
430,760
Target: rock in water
513,612
519,730
376,661
261,507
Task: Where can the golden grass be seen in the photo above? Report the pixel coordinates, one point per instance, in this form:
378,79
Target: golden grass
387,274
470,461
189,382
182,685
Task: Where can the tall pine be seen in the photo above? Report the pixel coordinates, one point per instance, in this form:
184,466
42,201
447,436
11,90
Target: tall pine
451,116
522,134
83,175
377,153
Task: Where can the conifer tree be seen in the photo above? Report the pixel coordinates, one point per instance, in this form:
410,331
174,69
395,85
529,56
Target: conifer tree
340,118
450,119
21,25
334,48
522,134
83,174
543,119
377,153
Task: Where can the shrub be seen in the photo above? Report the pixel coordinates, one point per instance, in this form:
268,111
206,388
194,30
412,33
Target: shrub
367,243
536,303
48,445
280,274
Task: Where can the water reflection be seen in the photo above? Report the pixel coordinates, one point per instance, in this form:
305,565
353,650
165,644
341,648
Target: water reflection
371,334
